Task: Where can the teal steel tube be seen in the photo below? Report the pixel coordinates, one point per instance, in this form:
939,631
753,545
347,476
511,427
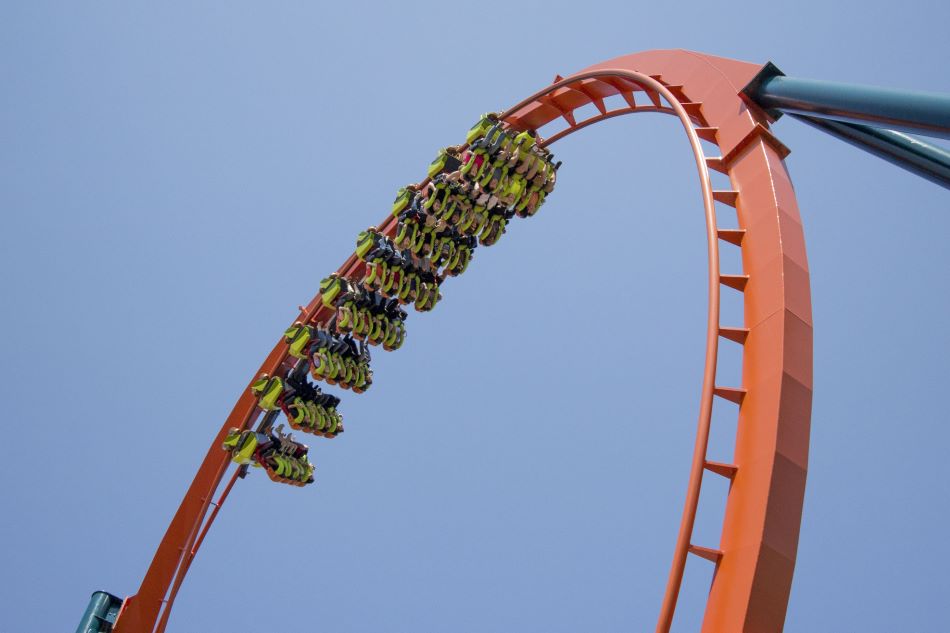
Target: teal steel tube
908,111
101,613
907,152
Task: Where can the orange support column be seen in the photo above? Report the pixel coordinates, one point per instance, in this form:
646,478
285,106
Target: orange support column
763,512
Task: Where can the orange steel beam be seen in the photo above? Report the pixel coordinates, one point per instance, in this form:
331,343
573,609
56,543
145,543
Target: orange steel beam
190,556
755,560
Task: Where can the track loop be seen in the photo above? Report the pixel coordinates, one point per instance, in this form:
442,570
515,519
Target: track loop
756,556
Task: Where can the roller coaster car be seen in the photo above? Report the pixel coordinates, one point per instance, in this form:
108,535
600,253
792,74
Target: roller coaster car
324,366
464,249
473,163
339,360
334,419
445,248
374,303
300,416
550,176
488,136
538,183
442,201
391,275
525,140
415,273
404,198
366,375
422,242
364,380
493,230
475,222
373,275
434,194
284,459
429,294
331,288
408,227
299,386
528,199
298,338
498,140
481,127
459,213
408,287
493,176
376,332
286,444
383,261
459,203
268,391
447,160
366,242
284,469
310,416
394,336
373,246
513,189
242,445
390,308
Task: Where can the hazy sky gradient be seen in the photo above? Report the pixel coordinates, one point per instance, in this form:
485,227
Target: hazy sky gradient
176,179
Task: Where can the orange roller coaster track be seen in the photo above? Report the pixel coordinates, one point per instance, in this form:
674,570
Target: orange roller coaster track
755,559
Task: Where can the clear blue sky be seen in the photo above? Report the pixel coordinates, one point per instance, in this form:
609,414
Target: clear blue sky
176,179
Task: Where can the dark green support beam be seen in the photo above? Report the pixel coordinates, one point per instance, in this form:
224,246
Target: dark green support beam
101,613
842,110
907,152
908,111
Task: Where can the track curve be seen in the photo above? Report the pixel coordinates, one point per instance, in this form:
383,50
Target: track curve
756,555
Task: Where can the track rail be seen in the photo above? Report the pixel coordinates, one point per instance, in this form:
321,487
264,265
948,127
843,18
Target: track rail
755,559
594,85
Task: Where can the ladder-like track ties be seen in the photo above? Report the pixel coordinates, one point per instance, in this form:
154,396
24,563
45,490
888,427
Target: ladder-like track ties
716,164
725,470
622,90
738,282
695,111
712,555
732,394
597,101
726,196
733,236
707,134
737,334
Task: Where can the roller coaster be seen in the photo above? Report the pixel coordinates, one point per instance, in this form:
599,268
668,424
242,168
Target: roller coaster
504,169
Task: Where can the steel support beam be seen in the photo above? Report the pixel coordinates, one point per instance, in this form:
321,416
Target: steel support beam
907,111
925,160
101,613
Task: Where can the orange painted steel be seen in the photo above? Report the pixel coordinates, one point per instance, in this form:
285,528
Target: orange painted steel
756,555
562,95
190,556
755,559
